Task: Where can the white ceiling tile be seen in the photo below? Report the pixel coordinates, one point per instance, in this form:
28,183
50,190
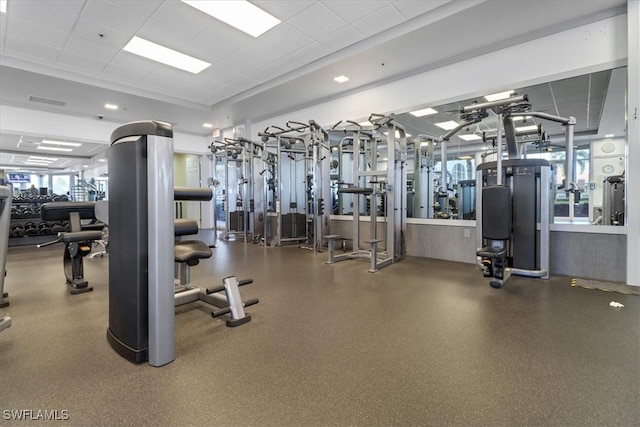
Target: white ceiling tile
276,69
353,10
317,21
90,31
35,33
120,74
284,9
19,47
111,15
89,49
413,8
234,65
184,20
72,6
143,7
286,38
342,38
244,83
44,15
222,94
134,62
379,21
312,52
81,63
164,35
259,53
219,41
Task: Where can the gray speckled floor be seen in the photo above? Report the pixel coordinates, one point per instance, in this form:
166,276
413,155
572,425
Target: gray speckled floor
422,342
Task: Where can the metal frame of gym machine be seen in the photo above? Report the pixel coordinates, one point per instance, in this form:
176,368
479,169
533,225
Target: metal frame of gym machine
238,152
389,183
6,193
310,142
507,109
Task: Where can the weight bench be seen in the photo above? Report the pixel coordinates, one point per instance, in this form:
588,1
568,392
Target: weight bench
188,253
77,241
496,233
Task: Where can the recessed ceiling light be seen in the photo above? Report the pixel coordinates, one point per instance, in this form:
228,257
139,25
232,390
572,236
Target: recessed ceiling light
68,144
498,96
3,6
102,160
111,106
448,125
240,14
341,79
85,166
526,128
36,162
423,112
44,147
609,135
465,157
207,125
164,55
365,123
470,137
521,118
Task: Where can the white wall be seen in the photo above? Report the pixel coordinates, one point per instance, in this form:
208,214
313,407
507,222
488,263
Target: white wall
593,47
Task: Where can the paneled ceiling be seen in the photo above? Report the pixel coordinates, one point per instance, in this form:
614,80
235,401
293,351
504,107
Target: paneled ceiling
66,56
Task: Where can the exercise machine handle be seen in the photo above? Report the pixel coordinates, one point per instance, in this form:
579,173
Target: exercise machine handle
58,240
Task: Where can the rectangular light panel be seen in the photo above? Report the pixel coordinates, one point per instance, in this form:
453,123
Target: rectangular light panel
44,147
498,96
240,14
67,144
471,137
526,128
3,6
423,112
164,55
448,125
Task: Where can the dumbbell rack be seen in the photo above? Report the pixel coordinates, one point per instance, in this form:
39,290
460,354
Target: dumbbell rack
27,229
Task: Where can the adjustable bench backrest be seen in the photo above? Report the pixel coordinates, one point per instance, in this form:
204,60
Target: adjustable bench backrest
62,211
496,212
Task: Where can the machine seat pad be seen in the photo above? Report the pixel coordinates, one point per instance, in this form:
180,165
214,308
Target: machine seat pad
492,252
59,211
191,250
355,190
80,236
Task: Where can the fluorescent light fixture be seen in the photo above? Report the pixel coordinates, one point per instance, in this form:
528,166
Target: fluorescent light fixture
498,96
521,118
465,157
102,160
609,135
111,106
164,55
527,128
207,125
36,162
41,159
470,137
423,112
448,125
85,166
68,144
365,123
42,147
3,6
341,79
240,14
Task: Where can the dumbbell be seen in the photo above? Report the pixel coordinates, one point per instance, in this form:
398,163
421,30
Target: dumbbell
15,212
57,227
27,212
44,229
66,225
31,229
16,231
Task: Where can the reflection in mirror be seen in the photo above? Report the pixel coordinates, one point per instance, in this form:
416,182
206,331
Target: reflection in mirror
597,163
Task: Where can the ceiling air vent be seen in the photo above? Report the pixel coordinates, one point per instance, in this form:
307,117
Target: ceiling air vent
47,101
